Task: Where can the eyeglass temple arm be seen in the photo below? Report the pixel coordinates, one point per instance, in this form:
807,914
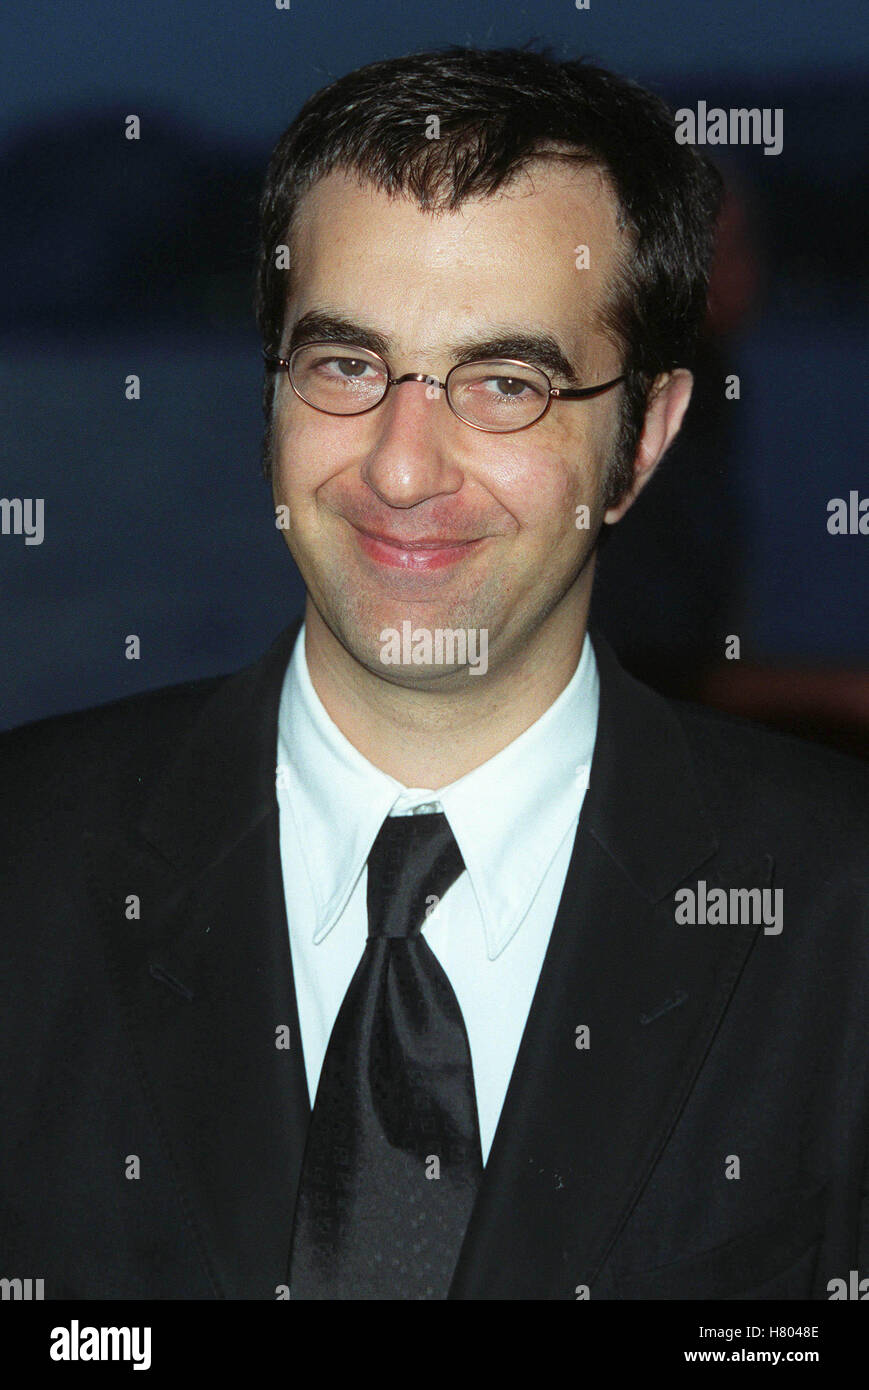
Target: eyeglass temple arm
580,393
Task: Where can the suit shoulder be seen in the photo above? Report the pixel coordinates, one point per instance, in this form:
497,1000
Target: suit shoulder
54,761
768,778
148,710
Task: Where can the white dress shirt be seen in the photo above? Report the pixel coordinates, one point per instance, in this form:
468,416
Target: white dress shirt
514,819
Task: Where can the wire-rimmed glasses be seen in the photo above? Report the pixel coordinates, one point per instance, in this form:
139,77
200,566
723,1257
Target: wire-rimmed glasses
498,395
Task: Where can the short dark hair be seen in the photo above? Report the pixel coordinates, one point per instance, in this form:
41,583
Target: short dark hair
500,110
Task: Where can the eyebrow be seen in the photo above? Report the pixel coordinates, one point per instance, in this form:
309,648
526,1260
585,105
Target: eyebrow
539,349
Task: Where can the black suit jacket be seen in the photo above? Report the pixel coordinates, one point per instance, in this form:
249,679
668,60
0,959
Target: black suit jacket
152,1131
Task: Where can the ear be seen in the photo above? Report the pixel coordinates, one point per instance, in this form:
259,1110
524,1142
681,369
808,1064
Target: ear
668,402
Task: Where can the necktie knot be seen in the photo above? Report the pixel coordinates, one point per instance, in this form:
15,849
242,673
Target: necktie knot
413,860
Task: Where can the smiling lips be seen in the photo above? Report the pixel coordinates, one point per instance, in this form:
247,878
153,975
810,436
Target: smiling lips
427,553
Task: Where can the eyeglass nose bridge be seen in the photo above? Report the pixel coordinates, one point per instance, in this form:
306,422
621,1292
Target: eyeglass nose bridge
416,376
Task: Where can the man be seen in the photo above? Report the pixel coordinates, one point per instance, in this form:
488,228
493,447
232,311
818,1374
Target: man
432,956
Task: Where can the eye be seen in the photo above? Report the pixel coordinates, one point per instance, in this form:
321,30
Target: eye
510,386
350,368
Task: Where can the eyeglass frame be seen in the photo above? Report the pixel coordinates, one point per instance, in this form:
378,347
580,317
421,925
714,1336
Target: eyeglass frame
565,393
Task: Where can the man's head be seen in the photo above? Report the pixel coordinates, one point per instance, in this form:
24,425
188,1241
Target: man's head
443,200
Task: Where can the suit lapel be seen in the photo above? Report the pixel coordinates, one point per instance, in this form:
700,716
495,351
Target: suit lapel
205,980
581,1129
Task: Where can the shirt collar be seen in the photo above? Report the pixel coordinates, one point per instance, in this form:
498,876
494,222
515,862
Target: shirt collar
509,815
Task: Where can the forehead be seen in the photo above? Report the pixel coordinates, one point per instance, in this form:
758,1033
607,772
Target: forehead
362,250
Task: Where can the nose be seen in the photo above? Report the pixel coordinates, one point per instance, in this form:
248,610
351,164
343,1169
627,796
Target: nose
411,457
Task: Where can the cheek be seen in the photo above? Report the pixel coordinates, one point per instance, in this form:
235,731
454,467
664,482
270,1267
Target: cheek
301,451
542,486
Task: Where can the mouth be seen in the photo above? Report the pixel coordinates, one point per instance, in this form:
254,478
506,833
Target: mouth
426,553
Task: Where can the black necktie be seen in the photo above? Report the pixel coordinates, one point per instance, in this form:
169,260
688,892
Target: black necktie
392,1162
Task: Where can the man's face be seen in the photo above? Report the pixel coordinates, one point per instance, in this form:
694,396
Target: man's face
410,470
